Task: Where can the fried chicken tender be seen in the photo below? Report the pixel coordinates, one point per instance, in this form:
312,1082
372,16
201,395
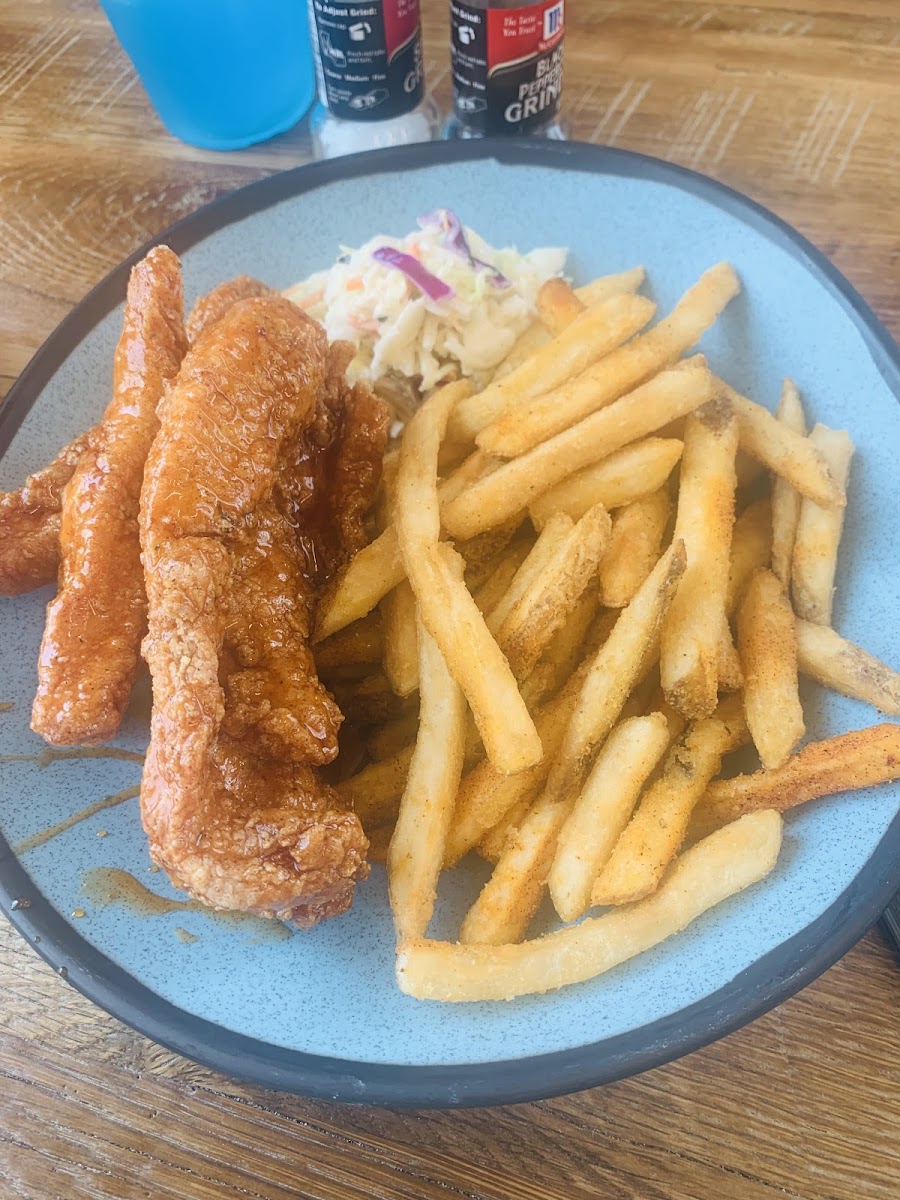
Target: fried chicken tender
30,521
208,310
233,525
91,646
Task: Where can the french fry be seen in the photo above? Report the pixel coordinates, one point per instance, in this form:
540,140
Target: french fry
486,795
786,453
610,285
508,901
536,334
591,334
367,701
860,759
785,498
515,485
356,590
818,535
392,736
718,867
689,657
634,547
495,841
401,647
426,807
446,608
557,305
378,567
840,665
565,649
552,537
655,833
519,430
747,470
627,475
480,553
374,792
553,594
359,644
494,588
602,810
379,841
534,337
751,548
728,664
767,642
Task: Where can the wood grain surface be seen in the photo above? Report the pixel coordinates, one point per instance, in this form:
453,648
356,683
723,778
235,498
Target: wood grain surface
797,103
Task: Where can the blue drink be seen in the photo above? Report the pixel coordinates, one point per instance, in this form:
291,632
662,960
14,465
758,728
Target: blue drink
221,73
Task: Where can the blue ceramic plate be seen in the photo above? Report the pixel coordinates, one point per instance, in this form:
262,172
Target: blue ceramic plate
319,1013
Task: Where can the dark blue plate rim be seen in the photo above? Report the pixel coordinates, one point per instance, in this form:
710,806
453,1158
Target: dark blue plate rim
773,978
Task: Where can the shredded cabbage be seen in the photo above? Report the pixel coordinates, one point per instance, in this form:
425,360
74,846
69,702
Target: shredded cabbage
396,328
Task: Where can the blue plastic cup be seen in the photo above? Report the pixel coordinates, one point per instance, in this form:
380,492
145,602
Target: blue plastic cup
222,74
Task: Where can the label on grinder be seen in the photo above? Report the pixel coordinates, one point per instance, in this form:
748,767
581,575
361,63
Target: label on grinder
370,57
507,65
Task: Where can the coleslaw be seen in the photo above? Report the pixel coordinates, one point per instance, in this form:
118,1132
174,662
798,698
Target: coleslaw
436,304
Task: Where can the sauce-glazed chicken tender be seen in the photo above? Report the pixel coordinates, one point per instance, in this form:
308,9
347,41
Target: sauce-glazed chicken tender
231,520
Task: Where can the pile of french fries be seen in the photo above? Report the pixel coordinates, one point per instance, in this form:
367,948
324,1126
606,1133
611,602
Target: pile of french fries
594,580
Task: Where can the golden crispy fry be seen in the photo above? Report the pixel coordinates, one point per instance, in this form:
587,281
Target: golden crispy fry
627,475
369,700
480,553
593,333
634,547
511,896
358,645
355,591
557,306
610,285
767,641
495,841
689,660
553,594
747,470
379,842
534,337
751,548
375,791
417,847
860,759
516,485
552,537
785,498
655,833
393,736
831,660
566,648
783,451
728,664
506,565
521,429
401,645
378,567
818,535
536,334
486,795
446,608
603,809
718,867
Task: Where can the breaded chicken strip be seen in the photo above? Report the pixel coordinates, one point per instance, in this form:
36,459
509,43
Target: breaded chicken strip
232,806
211,308
91,646
30,520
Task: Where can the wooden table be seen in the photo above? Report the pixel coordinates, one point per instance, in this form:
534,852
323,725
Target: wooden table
795,102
